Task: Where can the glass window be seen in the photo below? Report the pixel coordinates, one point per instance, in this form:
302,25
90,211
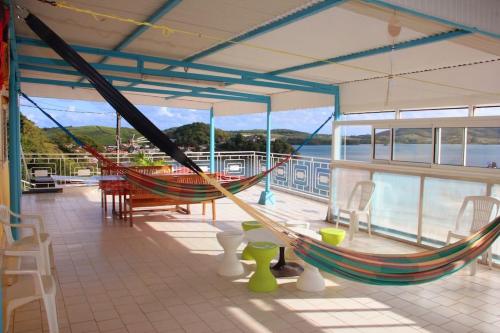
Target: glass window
413,145
343,183
382,144
450,146
434,113
442,201
395,204
487,111
355,143
369,116
483,147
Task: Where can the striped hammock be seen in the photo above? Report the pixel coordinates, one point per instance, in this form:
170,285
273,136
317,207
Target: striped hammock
401,269
195,192
397,269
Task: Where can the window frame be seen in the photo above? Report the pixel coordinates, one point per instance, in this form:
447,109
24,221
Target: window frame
431,123
464,108
391,139
474,114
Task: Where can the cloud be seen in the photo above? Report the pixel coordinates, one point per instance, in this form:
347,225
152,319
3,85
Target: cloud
164,111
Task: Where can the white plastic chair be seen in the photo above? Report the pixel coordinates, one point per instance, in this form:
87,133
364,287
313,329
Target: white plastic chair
484,209
30,286
37,245
363,193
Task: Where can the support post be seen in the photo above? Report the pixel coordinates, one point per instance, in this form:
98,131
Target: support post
330,214
212,140
267,197
118,137
14,128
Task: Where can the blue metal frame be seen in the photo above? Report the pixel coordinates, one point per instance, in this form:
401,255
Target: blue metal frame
14,128
243,77
337,114
378,50
72,84
158,14
191,90
14,146
297,16
433,18
183,75
267,197
212,140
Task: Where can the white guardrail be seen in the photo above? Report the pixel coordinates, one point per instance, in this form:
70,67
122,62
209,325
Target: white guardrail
303,175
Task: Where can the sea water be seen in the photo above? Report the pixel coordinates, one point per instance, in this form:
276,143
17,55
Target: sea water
477,155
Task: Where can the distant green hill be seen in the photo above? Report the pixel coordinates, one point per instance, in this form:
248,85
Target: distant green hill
196,136
35,140
101,135
290,136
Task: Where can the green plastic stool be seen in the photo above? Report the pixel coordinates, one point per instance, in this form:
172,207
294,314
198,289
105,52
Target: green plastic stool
263,281
248,225
332,236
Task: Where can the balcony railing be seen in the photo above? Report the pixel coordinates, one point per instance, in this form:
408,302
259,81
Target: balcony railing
302,175
416,204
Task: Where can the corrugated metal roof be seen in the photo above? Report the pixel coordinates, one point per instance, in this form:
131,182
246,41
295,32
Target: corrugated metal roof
353,26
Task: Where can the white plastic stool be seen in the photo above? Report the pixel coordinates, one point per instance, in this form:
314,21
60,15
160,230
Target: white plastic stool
230,265
310,280
289,255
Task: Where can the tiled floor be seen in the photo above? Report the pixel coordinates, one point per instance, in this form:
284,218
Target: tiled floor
160,277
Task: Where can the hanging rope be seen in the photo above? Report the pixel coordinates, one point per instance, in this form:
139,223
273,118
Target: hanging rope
167,31
427,70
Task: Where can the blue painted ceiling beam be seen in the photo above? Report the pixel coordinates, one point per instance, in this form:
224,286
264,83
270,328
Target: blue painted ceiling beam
244,74
158,14
182,75
73,84
298,15
379,50
189,88
433,18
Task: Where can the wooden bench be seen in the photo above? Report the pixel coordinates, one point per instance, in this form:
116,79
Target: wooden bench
139,200
119,189
135,199
143,200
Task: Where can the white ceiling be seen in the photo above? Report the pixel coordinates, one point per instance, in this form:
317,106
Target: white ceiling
351,27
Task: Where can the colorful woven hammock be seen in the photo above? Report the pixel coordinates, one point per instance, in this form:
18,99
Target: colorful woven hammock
402,269
398,269
195,192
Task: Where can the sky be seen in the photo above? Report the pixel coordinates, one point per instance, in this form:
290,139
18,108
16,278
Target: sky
80,113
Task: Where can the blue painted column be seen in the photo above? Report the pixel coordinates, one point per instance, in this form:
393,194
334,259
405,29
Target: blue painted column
14,136
14,127
212,140
267,197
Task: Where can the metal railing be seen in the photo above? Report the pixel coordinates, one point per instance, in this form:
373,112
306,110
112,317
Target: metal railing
305,175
